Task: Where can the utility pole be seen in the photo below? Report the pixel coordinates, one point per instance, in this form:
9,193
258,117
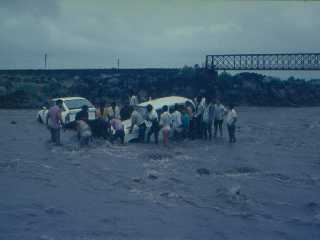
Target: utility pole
45,60
118,64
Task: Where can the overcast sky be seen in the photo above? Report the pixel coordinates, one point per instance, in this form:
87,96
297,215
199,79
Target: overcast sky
147,33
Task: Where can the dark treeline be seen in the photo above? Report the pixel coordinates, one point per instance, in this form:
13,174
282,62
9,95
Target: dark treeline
32,88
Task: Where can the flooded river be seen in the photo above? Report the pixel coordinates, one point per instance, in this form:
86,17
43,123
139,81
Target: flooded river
266,186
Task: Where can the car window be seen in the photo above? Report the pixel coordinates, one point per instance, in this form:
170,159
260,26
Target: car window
181,106
77,103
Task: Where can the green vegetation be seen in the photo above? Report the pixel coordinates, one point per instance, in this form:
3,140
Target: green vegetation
32,88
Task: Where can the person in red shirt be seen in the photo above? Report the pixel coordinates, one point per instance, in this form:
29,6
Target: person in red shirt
54,121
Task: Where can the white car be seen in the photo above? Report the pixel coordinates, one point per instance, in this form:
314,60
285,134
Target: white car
71,106
157,106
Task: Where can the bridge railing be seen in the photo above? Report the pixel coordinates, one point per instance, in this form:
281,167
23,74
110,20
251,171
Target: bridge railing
282,61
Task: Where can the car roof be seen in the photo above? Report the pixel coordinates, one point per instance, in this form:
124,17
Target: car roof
67,98
170,101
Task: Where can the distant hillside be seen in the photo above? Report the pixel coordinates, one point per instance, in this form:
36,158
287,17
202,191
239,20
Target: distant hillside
32,88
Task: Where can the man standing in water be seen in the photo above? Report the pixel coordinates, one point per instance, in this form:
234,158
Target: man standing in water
231,123
207,119
137,119
133,99
54,121
176,122
195,131
152,118
200,107
165,121
219,112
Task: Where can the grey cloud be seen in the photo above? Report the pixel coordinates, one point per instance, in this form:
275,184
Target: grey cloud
32,8
150,33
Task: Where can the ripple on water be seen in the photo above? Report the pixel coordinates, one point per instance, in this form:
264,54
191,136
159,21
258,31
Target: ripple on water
279,177
240,172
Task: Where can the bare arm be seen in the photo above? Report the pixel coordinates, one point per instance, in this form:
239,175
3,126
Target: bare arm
132,125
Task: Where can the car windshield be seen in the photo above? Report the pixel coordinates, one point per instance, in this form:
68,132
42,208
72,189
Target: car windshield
77,103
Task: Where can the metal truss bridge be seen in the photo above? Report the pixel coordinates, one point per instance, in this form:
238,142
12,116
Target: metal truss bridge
281,61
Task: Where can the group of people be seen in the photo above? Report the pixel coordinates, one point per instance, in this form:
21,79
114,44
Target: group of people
209,118
106,119
202,119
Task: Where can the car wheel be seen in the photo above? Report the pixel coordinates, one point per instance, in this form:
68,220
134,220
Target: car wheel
39,119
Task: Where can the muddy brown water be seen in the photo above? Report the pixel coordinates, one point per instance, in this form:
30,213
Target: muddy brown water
266,186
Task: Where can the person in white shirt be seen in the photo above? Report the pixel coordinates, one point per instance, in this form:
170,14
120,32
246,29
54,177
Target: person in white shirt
196,130
176,122
231,120
207,120
137,119
133,100
203,101
84,132
165,122
219,112
152,119
113,112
